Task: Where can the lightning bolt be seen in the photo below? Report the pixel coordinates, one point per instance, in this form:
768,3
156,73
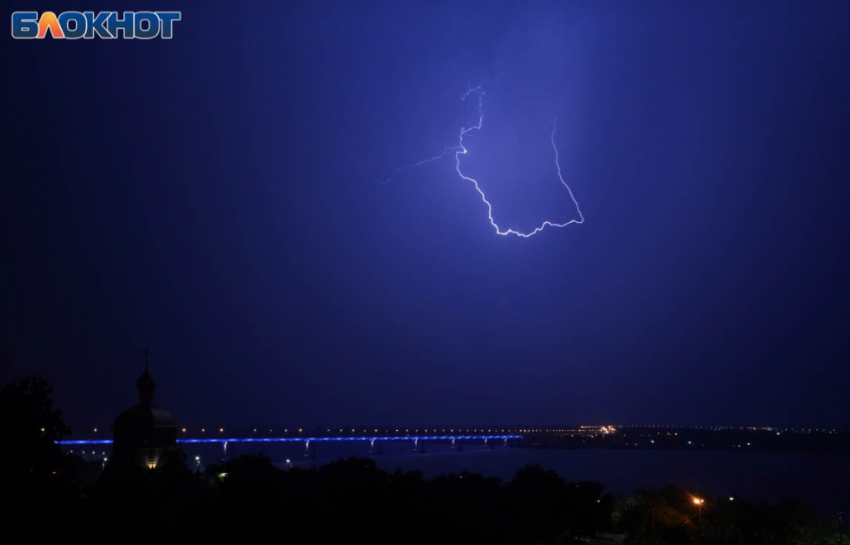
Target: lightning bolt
446,151
461,150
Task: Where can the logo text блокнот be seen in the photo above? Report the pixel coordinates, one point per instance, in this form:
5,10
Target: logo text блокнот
72,25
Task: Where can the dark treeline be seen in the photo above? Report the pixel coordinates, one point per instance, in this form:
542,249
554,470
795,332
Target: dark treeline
53,494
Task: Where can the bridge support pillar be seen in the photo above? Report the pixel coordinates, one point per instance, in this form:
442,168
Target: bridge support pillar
309,452
375,447
456,444
418,446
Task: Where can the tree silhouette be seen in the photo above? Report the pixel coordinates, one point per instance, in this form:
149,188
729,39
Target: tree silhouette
31,427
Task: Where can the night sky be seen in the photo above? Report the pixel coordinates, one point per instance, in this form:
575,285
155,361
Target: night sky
216,199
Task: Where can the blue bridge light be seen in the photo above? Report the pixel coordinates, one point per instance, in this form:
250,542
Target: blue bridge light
307,439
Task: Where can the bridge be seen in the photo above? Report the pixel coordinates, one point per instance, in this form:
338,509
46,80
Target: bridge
310,442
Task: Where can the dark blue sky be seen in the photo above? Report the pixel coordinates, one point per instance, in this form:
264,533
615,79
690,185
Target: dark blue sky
214,198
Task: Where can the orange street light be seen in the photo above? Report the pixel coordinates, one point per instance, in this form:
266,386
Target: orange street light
698,502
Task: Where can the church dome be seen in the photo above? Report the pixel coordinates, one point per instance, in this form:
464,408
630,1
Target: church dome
144,417
144,428
146,383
